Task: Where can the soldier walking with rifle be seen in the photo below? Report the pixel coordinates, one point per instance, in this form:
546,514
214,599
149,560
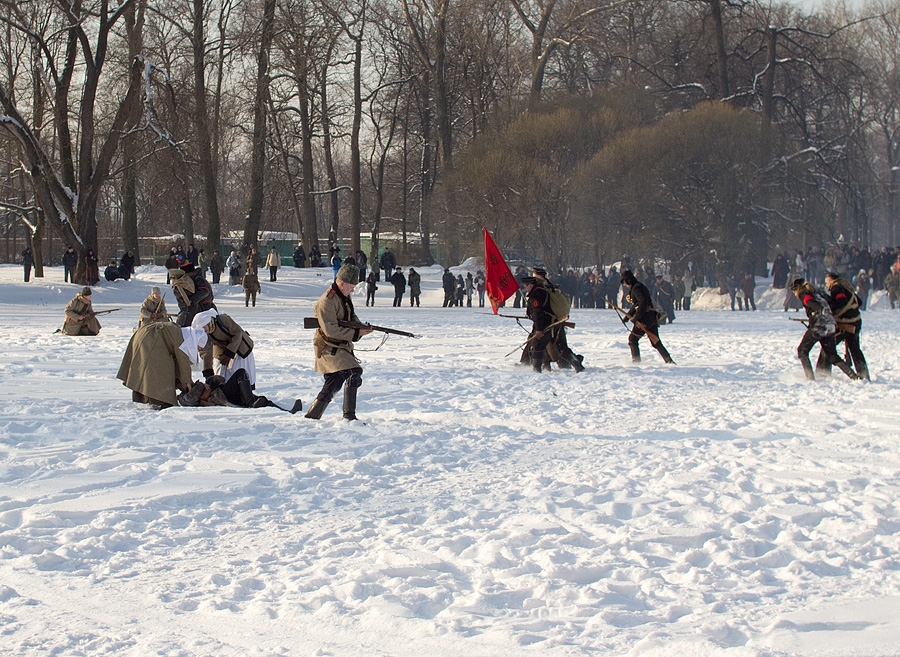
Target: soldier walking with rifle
80,316
643,316
541,315
820,328
333,344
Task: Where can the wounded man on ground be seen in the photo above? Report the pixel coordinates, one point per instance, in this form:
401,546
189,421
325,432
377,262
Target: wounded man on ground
236,391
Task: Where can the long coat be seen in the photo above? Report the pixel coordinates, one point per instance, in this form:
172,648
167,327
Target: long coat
153,310
78,307
153,363
333,343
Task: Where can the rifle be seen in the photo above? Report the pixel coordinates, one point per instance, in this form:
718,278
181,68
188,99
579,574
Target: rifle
653,337
100,312
802,320
313,323
564,323
522,346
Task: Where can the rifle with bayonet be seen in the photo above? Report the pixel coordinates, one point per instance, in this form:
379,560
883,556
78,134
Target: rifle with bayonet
653,337
313,323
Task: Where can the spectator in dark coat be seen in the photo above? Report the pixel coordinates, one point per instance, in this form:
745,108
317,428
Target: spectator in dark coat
398,280
69,259
126,265
448,283
27,262
748,285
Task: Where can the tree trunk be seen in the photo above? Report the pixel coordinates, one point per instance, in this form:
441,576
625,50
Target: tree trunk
258,155
201,121
333,211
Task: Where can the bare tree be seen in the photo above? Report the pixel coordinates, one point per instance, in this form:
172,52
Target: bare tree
67,177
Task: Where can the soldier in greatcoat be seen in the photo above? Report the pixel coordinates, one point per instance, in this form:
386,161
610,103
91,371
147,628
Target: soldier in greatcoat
334,344
153,309
80,319
158,361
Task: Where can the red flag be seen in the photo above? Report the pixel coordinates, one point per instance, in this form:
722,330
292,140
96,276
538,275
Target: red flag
499,282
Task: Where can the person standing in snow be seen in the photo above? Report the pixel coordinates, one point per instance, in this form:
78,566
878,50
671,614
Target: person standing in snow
27,262
820,328
415,287
371,286
273,262
333,344
398,280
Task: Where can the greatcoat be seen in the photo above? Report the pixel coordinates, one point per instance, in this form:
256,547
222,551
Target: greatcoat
153,362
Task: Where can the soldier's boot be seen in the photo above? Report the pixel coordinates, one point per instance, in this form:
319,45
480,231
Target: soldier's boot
843,367
537,363
350,403
808,369
317,408
635,352
664,353
575,362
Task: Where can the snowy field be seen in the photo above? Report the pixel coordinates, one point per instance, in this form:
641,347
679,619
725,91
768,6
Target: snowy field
721,506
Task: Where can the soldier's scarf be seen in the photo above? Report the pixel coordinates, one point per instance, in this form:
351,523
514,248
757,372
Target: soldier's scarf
184,288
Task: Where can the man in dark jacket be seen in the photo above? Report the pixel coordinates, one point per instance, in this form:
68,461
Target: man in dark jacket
193,292
398,280
537,303
643,317
27,262
820,328
844,305
448,283
415,287
69,260
387,262
299,256
126,265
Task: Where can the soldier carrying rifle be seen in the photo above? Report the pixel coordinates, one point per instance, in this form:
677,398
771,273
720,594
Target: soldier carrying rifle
644,318
333,344
81,319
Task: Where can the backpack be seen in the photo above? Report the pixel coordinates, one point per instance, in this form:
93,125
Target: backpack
560,303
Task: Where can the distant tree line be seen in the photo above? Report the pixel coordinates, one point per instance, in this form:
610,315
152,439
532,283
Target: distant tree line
576,130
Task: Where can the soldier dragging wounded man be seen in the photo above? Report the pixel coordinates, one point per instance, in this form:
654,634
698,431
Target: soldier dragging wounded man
158,361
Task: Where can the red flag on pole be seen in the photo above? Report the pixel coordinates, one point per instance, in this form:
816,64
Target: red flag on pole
499,282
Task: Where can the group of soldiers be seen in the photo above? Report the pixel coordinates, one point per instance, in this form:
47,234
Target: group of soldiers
159,356
833,317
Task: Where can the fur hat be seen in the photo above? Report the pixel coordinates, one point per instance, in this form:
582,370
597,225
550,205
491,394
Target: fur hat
348,274
154,290
628,277
798,283
529,280
188,267
86,291
540,271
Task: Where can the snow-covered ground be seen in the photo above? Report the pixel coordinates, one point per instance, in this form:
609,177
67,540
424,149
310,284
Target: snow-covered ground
721,506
